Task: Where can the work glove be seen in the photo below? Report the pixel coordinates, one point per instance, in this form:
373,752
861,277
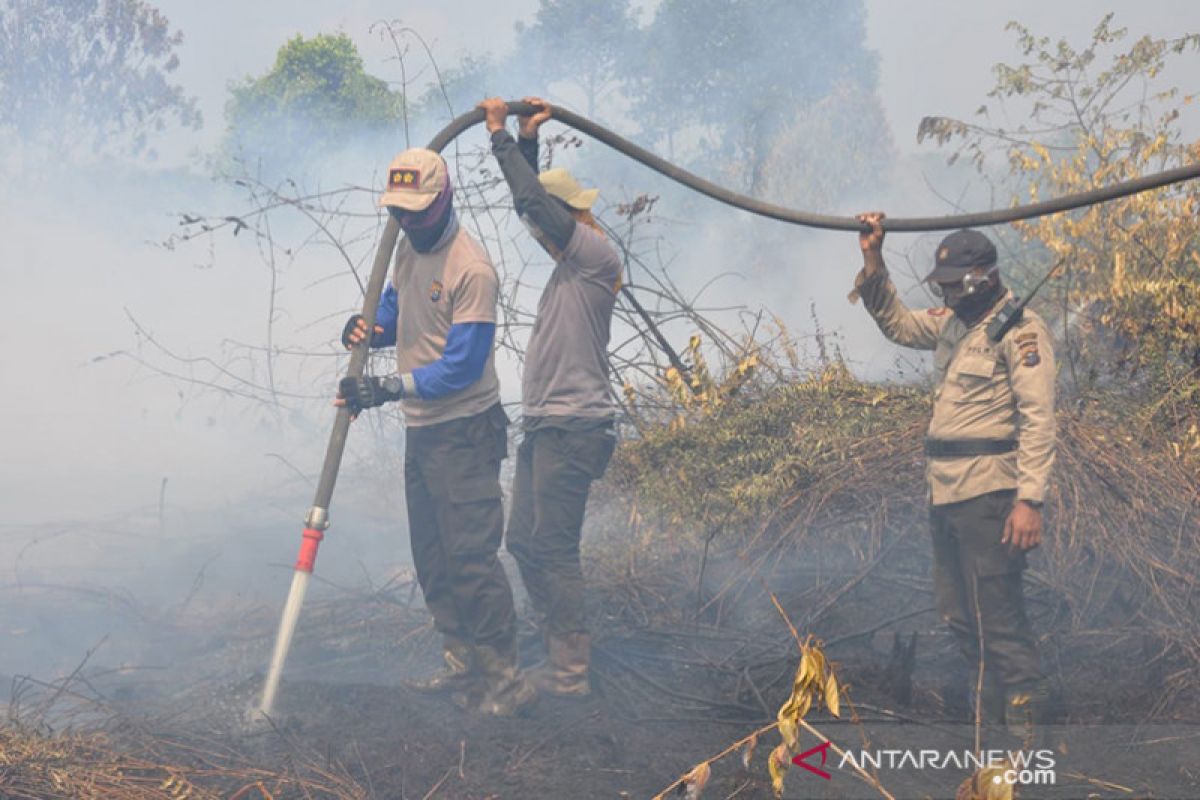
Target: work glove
368,391
356,330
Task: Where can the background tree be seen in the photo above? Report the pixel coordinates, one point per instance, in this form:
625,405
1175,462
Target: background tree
732,75
90,71
315,98
583,42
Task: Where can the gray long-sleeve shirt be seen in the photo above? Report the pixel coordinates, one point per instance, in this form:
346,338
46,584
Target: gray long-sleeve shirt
566,363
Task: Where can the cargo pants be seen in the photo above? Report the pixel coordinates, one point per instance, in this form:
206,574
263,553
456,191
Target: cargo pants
555,470
456,521
975,577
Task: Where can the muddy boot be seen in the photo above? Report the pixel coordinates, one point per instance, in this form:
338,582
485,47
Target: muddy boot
506,692
1025,713
565,672
460,674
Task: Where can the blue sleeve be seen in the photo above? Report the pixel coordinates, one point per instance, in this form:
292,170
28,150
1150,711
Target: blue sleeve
386,317
468,345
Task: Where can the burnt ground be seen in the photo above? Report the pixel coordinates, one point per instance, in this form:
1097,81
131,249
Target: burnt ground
672,689
683,668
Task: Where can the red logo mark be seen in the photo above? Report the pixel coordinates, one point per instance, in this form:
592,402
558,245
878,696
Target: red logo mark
799,761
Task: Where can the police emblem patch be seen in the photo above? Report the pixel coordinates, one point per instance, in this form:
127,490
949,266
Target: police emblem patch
404,178
435,291
1032,359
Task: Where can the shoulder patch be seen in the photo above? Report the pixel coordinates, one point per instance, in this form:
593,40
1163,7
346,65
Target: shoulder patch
1031,359
936,312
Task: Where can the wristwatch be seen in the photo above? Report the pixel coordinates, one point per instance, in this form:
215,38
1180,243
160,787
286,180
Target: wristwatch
393,385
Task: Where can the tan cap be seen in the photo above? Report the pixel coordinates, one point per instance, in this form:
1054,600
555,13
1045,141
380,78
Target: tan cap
415,178
562,185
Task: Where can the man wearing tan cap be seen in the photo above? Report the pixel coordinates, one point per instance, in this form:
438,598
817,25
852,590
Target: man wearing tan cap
568,410
440,311
990,449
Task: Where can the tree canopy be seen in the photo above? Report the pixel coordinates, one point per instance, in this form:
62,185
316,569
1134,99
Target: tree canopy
90,72
317,96
584,42
744,71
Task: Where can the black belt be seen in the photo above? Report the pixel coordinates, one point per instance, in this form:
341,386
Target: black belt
951,448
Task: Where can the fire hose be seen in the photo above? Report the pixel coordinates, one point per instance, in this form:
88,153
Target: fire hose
317,519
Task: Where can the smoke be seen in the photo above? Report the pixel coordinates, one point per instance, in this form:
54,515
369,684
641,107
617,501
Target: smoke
157,488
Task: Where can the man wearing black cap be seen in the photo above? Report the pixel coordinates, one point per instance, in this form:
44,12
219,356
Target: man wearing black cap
989,448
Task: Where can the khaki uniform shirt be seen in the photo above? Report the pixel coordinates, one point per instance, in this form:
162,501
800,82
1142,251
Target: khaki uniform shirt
455,283
984,390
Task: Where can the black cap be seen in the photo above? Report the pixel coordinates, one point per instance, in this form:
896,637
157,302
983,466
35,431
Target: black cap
959,253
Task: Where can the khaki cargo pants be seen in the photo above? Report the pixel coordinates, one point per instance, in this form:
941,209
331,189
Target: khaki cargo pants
972,568
456,521
555,470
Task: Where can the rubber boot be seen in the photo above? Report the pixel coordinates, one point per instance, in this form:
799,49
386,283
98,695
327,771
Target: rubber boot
565,671
1025,713
506,693
461,671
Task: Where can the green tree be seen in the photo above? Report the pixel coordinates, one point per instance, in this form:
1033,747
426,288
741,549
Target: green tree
95,72
314,99
583,42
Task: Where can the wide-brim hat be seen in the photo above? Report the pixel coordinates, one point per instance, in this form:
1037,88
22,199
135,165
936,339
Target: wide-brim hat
561,184
959,253
415,178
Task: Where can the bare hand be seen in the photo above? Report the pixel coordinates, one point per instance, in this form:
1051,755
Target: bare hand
528,124
1023,528
871,242
496,111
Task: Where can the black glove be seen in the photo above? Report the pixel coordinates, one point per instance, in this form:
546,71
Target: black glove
369,391
351,324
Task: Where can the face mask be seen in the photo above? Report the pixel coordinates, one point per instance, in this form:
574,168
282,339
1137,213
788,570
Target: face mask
424,228
970,307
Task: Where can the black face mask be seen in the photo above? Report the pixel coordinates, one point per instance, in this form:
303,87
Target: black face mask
970,308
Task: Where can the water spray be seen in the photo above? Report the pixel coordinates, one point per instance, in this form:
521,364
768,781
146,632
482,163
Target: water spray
317,520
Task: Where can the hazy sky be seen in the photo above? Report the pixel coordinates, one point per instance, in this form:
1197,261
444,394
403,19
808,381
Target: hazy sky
935,55
935,58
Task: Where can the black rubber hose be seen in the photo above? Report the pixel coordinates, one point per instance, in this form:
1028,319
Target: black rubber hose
979,220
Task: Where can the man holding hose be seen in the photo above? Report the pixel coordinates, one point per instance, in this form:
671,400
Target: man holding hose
566,398
990,449
440,311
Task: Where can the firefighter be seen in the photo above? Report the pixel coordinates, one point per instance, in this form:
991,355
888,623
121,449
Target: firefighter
440,311
568,411
989,448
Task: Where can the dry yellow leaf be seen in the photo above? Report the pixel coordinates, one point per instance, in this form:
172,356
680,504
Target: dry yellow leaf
777,764
832,700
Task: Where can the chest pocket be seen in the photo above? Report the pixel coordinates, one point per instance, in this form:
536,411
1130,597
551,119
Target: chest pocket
972,378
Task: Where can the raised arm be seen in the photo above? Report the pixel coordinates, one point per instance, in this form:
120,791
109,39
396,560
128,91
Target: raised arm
535,206
916,329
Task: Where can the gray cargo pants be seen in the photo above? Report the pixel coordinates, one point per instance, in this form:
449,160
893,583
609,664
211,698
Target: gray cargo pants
555,470
971,567
456,521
